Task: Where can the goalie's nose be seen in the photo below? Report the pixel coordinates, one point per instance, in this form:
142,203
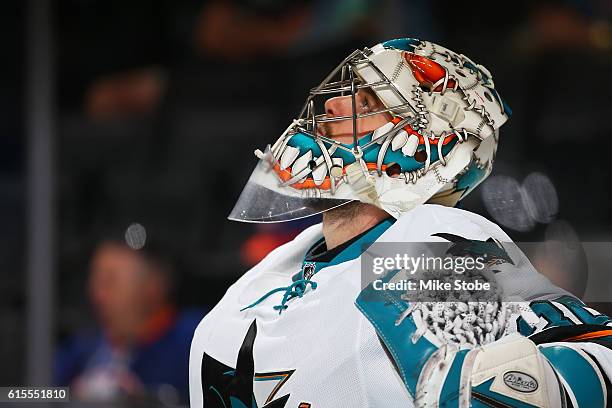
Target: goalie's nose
338,106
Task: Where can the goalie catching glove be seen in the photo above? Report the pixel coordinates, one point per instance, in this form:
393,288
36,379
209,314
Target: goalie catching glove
509,372
504,369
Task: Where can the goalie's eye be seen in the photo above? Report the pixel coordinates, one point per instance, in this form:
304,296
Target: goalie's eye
368,101
365,106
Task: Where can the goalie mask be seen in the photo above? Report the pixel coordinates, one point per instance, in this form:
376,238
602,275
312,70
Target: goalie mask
437,116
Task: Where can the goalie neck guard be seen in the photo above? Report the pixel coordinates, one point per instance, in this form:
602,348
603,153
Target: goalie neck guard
438,145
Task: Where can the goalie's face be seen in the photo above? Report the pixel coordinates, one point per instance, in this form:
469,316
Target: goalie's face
366,102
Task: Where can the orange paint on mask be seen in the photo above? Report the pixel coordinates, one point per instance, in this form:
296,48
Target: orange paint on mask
427,71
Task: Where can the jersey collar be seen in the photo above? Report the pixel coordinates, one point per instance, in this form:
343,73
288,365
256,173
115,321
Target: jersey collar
318,257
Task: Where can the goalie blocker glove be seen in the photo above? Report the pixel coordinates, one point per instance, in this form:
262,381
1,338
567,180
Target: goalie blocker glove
511,372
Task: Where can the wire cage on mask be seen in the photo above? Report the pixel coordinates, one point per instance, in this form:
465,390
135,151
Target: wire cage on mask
345,80
265,198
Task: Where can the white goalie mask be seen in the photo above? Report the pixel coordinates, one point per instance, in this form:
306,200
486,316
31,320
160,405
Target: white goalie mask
437,143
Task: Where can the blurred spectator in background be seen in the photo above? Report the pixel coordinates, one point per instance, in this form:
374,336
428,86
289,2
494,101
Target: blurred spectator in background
138,91
141,348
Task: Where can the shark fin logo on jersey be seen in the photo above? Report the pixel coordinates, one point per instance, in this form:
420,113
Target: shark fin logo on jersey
492,251
267,385
242,387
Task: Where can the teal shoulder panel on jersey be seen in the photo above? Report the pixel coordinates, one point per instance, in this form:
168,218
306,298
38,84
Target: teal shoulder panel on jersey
382,308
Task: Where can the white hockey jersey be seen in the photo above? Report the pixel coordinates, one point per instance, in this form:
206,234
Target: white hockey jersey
316,349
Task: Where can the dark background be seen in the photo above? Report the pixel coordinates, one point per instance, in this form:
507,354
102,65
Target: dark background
158,106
